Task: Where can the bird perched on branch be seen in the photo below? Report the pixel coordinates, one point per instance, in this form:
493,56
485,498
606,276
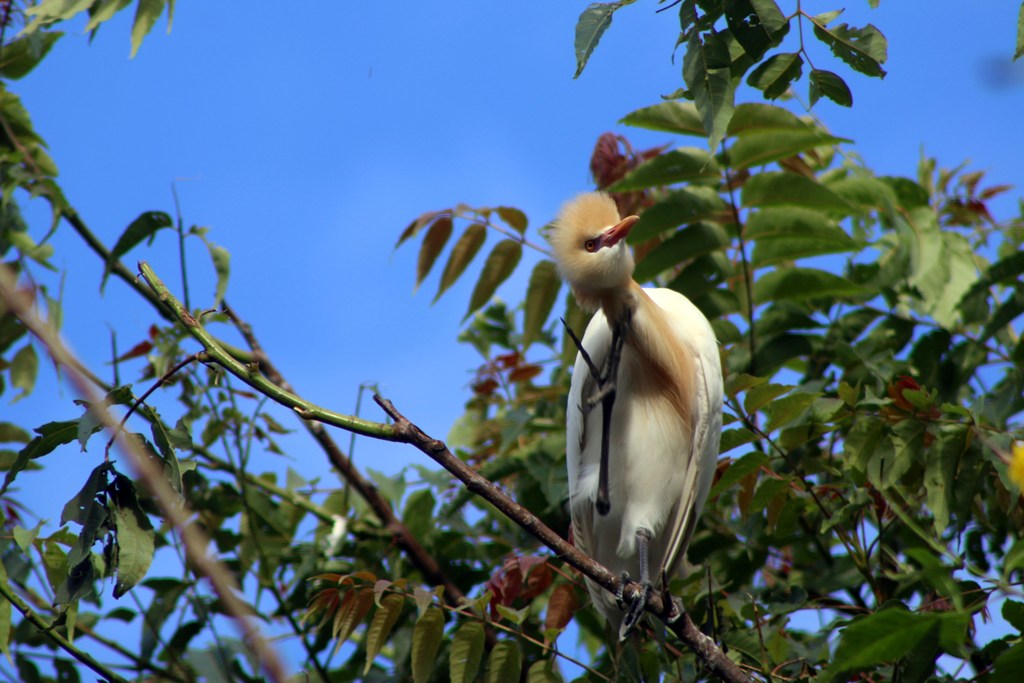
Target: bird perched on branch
645,409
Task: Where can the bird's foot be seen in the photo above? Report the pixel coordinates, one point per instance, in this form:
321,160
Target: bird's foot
634,609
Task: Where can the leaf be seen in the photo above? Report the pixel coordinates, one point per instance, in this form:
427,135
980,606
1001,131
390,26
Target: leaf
418,223
737,470
891,634
707,75
542,671
864,49
683,165
461,255
23,370
1005,270
500,264
788,408
689,243
562,605
433,242
801,284
774,75
680,207
380,627
771,145
1008,666
591,25
756,24
940,469
514,217
146,14
354,607
426,639
505,663
467,652
142,228
1020,34
788,233
22,54
681,118
51,435
830,85
221,259
942,268
540,299
761,394
135,536
778,189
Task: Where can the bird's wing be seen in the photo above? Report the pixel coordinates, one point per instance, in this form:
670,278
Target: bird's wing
596,341
702,452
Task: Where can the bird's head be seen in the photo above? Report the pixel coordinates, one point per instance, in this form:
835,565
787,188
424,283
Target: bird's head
589,241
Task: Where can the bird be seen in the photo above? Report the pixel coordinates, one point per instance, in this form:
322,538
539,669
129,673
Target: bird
640,468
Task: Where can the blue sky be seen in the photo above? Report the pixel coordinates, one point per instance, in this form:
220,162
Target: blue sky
306,140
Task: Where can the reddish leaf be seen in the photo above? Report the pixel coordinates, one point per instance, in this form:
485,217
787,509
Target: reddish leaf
562,606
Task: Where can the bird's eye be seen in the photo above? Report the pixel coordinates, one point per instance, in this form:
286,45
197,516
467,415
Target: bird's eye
590,245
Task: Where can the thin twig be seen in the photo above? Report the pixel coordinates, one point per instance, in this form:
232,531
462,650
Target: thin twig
403,431
150,474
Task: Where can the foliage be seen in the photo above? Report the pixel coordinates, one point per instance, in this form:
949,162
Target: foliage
874,374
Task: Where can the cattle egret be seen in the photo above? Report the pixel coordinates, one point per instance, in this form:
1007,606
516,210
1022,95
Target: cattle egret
637,481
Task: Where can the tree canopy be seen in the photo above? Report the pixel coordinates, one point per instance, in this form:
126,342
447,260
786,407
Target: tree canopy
866,515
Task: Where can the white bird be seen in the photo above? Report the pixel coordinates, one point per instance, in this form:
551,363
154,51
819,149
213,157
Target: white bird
661,443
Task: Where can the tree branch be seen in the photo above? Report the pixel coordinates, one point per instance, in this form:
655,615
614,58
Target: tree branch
403,431
150,474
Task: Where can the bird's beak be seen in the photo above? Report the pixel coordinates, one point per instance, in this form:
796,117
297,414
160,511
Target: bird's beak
618,232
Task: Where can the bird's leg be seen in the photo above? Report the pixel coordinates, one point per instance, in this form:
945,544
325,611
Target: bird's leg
606,394
636,608
594,372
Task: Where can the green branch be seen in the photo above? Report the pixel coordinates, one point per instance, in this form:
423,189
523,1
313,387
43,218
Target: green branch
50,632
250,374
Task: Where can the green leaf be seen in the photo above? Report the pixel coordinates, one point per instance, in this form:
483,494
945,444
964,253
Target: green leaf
1008,666
433,242
540,299
418,515
801,284
142,228
734,438
591,25
690,242
774,75
426,639
542,671
768,146
380,627
788,408
777,189
830,85
51,435
761,394
943,267
505,663
892,634
500,264
864,49
707,75
21,55
1013,613
221,259
683,165
515,218
24,370
669,117
1007,270
135,536
146,14
1020,34
461,255
467,652
756,24
748,464
101,12
792,232
680,207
